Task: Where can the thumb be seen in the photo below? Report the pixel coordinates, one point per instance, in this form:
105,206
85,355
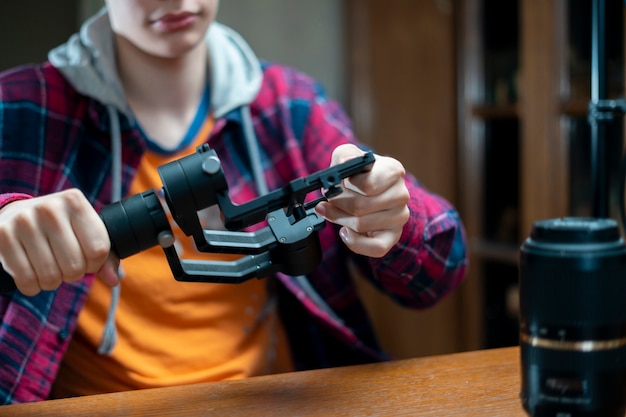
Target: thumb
344,152
108,272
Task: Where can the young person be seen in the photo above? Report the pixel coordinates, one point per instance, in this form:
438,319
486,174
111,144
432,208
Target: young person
143,83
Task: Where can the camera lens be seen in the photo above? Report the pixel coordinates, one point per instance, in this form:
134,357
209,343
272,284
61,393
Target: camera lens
573,319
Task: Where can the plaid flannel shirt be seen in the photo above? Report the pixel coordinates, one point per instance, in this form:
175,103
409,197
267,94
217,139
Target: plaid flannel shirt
52,138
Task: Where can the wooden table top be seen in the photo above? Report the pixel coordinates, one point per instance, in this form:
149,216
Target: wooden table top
481,383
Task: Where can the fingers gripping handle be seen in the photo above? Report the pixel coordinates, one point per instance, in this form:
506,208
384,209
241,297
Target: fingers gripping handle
134,224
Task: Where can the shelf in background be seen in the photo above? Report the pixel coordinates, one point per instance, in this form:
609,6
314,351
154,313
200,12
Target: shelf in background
495,251
488,111
575,108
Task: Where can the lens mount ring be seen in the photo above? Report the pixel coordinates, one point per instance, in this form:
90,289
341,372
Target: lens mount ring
573,345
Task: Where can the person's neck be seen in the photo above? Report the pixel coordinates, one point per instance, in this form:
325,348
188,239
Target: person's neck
163,93
162,84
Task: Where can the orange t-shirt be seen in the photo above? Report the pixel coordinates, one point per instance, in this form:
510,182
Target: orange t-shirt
170,332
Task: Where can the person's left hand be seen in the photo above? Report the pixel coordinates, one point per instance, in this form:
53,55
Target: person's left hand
372,207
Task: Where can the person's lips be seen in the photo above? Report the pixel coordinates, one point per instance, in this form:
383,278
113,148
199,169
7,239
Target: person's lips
174,21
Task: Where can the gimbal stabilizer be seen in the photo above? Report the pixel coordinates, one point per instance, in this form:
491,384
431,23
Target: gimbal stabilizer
289,243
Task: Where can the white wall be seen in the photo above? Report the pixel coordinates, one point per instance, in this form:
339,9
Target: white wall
306,34
87,8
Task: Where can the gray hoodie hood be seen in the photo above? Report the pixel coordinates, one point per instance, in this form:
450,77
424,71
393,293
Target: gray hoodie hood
87,60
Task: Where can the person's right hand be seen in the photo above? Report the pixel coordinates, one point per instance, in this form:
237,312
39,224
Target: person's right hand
52,239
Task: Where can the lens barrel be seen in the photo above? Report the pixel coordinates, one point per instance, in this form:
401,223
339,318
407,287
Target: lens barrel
573,318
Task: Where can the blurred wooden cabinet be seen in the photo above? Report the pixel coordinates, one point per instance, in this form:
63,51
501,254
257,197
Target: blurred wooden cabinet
486,101
524,137
402,99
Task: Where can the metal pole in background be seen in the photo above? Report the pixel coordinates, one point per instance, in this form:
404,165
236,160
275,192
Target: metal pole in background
599,174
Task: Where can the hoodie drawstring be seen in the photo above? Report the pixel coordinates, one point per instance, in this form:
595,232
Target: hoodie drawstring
109,335
262,188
